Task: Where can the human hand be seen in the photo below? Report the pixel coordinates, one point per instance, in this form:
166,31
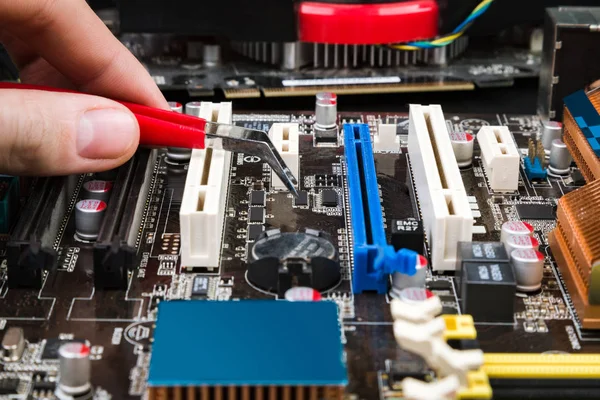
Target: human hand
62,43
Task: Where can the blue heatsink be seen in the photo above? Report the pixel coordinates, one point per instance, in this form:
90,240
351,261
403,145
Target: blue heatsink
586,117
247,343
374,258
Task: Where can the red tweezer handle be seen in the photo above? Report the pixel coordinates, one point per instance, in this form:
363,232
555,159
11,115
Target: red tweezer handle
158,128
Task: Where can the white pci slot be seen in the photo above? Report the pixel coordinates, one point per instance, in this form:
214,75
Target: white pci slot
286,140
500,158
444,205
203,205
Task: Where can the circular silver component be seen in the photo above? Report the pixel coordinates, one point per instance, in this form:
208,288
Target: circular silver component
551,130
193,108
326,110
88,218
529,269
515,242
462,144
176,107
75,368
97,190
284,245
516,228
560,158
302,293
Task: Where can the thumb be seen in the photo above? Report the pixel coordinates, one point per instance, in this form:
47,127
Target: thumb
43,133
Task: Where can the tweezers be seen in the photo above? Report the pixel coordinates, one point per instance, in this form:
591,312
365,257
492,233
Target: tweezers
162,128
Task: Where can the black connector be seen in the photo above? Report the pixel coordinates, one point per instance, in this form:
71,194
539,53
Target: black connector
115,251
30,250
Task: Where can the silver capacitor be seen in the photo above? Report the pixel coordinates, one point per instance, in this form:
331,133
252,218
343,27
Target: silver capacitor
462,144
88,218
514,242
550,130
326,110
193,108
529,269
13,344
560,158
517,228
74,371
175,153
97,190
401,281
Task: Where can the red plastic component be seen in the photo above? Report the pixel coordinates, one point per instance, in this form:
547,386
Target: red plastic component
158,128
367,23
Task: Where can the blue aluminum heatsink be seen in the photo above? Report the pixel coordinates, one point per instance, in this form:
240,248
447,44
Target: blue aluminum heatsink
586,117
374,258
248,342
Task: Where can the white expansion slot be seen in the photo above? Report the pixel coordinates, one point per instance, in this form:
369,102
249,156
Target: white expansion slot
500,158
443,201
204,197
286,141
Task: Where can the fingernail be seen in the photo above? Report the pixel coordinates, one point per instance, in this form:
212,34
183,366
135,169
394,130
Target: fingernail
106,134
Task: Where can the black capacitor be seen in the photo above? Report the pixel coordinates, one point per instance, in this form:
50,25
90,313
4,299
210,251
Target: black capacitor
488,291
488,252
408,234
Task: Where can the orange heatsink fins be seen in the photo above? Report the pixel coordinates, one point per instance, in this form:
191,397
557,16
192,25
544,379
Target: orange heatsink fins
575,245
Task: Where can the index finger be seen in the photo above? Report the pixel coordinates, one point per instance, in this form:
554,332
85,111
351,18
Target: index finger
69,35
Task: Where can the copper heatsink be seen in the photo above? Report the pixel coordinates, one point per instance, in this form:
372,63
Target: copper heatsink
587,161
246,393
575,245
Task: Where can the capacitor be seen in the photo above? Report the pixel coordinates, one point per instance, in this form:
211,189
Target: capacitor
74,371
175,153
551,130
302,293
88,218
402,281
13,344
326,110
516,228
193,108
560,158
98,190
415,294
529,269
462,144
514,242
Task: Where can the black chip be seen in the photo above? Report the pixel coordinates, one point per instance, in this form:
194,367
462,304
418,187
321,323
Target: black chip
52,345
254,231
9,386
256,214
302,199
200,286
577,177
329,198
535,211
257,198
439,285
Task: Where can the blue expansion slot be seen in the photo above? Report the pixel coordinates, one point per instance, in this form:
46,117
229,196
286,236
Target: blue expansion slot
374,258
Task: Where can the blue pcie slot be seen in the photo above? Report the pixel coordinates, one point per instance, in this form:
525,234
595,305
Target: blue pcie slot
374,258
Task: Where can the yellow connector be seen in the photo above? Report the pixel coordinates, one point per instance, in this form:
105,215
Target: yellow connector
538,371
459,327
540,359
479,386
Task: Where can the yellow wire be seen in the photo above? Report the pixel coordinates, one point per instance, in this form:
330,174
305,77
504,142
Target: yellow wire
445,39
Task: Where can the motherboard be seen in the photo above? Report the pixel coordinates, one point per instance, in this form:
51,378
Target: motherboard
415,262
